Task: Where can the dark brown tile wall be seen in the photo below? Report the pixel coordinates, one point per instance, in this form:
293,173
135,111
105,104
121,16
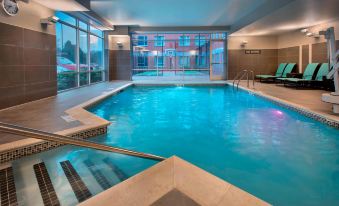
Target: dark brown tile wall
264,63
27,65
289,55
305,57
120,65
319,52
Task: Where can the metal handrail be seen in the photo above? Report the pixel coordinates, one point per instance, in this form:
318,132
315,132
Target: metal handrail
37,134
242,74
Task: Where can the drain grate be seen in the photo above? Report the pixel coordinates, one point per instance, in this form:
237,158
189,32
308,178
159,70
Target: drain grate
79,188
47,191
7,187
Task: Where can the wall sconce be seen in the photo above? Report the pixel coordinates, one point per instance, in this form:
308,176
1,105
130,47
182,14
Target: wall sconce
304,31
314,35
309,34
243,43
50,20
119,44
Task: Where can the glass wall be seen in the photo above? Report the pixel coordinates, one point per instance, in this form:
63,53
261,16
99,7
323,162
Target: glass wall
171,55
80,53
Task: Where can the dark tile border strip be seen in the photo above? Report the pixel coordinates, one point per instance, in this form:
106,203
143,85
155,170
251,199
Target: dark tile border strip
7,187
116,170
305,112
48,194
17,153
97,174
79,188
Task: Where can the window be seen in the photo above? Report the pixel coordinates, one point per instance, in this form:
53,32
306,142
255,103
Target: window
218,36
142,61
159,41
96,53
66,57
159,61
142,41
96,31
184,40
83,25
200,61
66,18
184,61
199,40
83,58
80,53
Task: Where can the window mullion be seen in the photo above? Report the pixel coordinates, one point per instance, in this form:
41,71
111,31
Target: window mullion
78,55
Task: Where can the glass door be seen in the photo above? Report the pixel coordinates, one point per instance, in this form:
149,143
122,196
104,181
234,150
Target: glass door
217,59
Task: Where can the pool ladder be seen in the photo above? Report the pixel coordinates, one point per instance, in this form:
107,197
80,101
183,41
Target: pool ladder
241,75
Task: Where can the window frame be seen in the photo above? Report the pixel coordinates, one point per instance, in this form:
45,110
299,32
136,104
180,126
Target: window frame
184,40
77,56
145,40
156,62
159,43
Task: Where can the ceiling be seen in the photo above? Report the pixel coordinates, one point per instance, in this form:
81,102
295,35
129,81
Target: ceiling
242,17
62,5
169,13
293,16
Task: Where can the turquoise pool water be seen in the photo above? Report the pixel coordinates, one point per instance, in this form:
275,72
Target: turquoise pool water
272,152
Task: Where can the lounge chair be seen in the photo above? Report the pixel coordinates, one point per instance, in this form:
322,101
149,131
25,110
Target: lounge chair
288,69
279,73
321,76
306,77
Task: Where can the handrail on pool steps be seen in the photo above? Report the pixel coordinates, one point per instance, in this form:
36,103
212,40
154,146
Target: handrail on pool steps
240,75
37,134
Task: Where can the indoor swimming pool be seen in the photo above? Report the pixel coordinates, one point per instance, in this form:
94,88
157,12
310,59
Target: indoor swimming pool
269,151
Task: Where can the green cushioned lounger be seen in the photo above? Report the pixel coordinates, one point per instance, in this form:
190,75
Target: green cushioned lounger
307,76
279,73
289,68
322,72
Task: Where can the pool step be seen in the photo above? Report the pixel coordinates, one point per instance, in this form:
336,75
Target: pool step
116,170
7,187
97,174
81,191
47,190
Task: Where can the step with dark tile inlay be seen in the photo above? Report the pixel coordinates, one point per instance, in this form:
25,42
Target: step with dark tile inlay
48,194
99,177
7,187
119,173
80,189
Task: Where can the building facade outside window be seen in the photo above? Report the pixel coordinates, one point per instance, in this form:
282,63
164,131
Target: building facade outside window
184,61
159,61
184,40
142,41
199,40
80,53
142,61
159,41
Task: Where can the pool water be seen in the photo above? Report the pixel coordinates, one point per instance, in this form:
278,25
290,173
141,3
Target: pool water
274,153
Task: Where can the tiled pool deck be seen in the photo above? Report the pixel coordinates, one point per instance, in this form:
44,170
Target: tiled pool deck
306,101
